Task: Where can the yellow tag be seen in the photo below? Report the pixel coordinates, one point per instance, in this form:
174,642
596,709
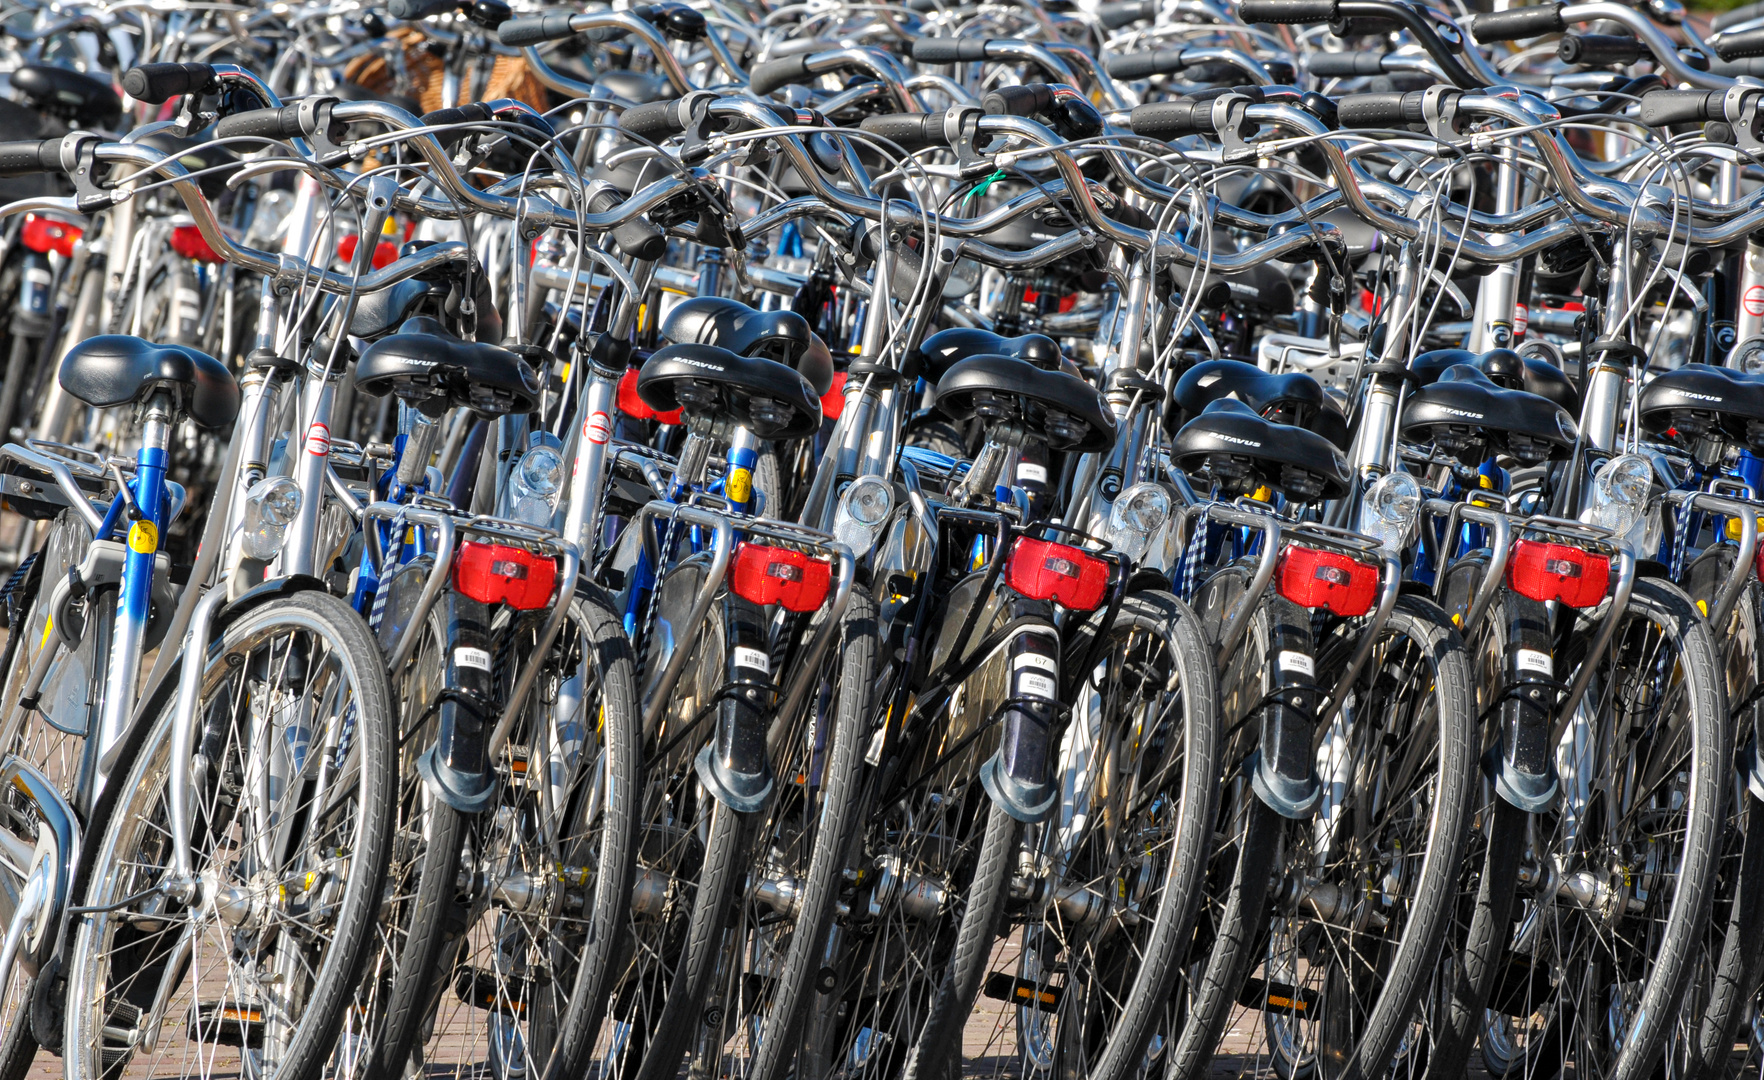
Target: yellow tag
1703,606
144,537
1487,482
1263,494
48,625
739,486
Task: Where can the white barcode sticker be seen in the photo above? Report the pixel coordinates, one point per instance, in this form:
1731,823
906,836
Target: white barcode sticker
37,276
466,656
1037,662
1533,662
1298,663
752,658
1034,684
1030,473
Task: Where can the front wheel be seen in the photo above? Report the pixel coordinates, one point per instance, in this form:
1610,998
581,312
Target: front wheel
247,968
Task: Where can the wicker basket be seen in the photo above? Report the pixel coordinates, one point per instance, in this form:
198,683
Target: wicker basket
510,78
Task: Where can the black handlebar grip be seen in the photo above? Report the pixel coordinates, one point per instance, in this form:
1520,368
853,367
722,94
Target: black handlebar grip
1116,15
913,131
1381,110
28,156
943,50
1286,11
1344,65
282,123
412,10
476,112
655,120
1018,100
1143,65
520,33
1740,46
1171,119
773,74
1664,107
639,238
157,83
1517,23
1598,50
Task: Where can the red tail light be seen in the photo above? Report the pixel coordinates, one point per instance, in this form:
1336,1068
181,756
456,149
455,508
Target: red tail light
1326,579
833,401
385,252
774,575
631,404
1545,571
44,234
1044,570
188,241
499,574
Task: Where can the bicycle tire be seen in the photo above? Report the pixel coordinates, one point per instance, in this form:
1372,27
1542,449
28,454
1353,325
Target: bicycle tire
321,618
930,1058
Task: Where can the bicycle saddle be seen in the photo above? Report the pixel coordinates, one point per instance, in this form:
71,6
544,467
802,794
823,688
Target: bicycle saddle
378,312
1242,452
1505,368
635,86
67,93
710,382
781,335
116,369
1294,398
1463,407
1698,399
1057,406
946,348
434,371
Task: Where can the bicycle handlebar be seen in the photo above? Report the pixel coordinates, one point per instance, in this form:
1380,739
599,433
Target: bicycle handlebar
28,156
158,83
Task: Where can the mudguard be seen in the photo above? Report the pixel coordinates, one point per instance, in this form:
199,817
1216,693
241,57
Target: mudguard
734,766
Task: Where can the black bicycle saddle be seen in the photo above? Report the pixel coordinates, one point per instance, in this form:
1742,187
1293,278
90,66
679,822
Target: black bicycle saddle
378,312
116,369
946,348
67,93
434,371
708,382
1464,407
1242,451
1058,406
1699,399
781,335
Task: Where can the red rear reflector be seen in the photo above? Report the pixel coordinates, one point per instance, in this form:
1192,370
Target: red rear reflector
1545,571
775,575
833,401
631,404
1327,579
385,252
499,574
44,234
1044,570
187,240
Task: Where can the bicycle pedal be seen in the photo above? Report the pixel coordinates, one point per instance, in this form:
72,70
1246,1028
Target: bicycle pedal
484,990
1003,986
1282,999
227,1024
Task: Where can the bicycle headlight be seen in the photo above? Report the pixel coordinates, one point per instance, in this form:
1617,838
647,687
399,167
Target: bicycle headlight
1134,516
863,510
536,480
270,506
1620,491
1390,509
